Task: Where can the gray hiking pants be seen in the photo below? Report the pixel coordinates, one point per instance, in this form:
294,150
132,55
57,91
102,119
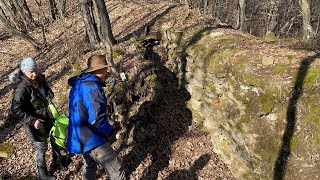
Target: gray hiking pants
107,158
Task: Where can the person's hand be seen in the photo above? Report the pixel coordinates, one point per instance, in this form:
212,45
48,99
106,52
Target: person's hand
112,136
38,124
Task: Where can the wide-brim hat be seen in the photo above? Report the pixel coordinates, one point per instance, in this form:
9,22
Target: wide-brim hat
96,62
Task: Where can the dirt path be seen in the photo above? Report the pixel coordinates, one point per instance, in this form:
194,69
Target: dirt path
163,142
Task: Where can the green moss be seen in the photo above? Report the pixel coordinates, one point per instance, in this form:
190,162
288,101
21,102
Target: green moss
288,41
120,85
152,77
196,116
6,149
76,68
215,62
267,101
283,113
211,87
245,118
245,101
313,116
240,63
189,35
254,80
311,77
269,37
224,129
159,22
306,46
229,41
62,102
267,147
199,48
291,57
294,142
280,69
117,53
312,119
184,16
317,139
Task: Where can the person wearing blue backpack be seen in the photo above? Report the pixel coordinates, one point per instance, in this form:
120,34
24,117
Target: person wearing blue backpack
88,128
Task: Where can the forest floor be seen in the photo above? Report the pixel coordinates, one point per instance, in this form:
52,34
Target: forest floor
179,150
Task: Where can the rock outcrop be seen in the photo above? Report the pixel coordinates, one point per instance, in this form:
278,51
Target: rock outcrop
259,100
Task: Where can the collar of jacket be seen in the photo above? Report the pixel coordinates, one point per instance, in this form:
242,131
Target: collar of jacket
17,76
85,77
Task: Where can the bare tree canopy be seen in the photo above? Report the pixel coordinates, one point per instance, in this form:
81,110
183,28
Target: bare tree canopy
14,31
287,18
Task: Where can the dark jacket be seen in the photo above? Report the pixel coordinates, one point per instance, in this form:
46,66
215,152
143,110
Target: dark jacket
29,103
88,121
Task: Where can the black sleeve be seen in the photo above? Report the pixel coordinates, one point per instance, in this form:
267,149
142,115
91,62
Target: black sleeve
19,101
48,90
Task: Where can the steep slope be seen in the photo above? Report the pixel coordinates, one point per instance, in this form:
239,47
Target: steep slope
162,142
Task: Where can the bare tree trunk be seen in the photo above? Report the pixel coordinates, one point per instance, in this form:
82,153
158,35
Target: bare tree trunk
18,14
9,14
307,30
27,10
53,9
214,11
205,7
241,14
103,25
210,7
318,24
23,35
63,7
103,22
86,10
272,16
109,58
24,11
97,23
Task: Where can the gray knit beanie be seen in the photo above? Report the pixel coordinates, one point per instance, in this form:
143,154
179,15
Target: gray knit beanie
28,64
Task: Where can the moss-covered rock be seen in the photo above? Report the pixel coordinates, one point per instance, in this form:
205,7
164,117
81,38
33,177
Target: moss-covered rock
257,102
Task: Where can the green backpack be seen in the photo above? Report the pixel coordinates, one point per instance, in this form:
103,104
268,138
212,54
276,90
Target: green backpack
59,131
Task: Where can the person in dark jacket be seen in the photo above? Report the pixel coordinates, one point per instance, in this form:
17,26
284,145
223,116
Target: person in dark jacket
88,126
29,104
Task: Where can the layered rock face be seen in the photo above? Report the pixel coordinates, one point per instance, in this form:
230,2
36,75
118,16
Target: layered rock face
258,99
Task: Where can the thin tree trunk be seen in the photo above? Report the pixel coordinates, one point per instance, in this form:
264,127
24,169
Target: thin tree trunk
210,7
109,58
241,14
17,12
103,22
27,10
307,30
215,9
63,7
53,9
272,16
86,6
317,29
23,35
205,7
9,14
